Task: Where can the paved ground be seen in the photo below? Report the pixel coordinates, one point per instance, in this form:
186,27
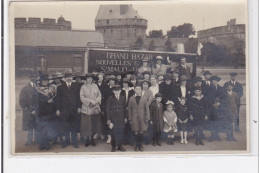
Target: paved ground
241,143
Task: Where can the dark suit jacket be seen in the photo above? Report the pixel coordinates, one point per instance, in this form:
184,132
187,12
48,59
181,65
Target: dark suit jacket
167,91
184,71
205,88
105,91
215,93
237,88
177,93
130,94
68,99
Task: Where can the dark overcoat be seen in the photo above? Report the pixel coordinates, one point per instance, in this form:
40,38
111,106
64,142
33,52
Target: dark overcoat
105,91
138,115
156,113
205,88
25,100
116,112
177,94
184,71
199,109
131,92
167,91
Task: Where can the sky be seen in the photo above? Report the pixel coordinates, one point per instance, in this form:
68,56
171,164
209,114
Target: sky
160,15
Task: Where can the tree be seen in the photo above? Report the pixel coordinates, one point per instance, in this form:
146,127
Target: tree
237,51
156,34
181,31
138,43
151,45
168,45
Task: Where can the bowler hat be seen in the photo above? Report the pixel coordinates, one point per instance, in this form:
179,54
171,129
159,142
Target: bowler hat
159,58
149,83
158,95
206,72
216,78
78,75
233,74
116,87
68,73
125,80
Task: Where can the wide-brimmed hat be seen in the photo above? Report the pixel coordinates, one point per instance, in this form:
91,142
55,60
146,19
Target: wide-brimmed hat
68,73
116,87
197,79
159,58
216,78
233,74
183,78
112,77
128,72
125,80
57,75
78,75
145,60
44,77
158,95
167,76
146,72
206,72
149,83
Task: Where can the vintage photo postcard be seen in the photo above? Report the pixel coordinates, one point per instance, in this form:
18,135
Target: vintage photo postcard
129,77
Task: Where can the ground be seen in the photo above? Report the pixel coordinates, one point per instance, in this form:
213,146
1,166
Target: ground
223,145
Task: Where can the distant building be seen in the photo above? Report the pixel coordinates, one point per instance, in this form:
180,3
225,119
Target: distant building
222,35
120,24
47,23
49,49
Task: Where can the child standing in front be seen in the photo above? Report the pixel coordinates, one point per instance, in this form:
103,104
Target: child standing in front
170,120
183,117
156,113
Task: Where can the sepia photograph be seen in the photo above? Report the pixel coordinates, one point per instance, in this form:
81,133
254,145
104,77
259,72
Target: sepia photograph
129,77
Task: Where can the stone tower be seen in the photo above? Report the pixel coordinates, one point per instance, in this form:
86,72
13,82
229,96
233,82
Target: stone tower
120,24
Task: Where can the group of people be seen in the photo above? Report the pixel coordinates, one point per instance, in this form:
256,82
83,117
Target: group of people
129,108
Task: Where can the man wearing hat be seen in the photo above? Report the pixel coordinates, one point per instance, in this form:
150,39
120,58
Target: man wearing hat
144,67
216,92
159,67
206,83
68,108
116,113
237,88
183,68
182,90
57,79
166,88
127,92
175,77
25,100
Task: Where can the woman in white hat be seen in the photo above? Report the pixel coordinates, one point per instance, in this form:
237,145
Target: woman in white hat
159,66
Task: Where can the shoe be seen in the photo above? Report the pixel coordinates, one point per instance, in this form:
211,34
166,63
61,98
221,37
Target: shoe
141,148
113,149
169,141
87,143
172,141
108,139
154,142
76,145
197,142
159,142
136,148
186,142
93,143
200,142
182,141
64,144
47,146
121,149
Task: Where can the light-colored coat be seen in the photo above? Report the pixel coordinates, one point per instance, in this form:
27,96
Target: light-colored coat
89,93
149,95
138,115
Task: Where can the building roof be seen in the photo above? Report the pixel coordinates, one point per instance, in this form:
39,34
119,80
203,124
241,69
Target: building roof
70,38
117,12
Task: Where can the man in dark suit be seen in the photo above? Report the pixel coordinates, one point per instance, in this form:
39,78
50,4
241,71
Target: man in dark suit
68,108
206,83
25,99
183,68
237,88
166,88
